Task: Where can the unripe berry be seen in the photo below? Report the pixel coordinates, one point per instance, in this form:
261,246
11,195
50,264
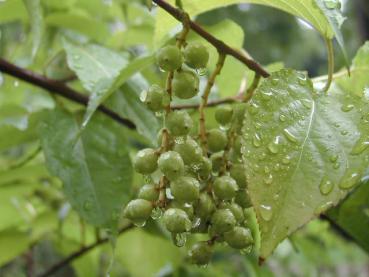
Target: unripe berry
204,168
171,164
200,253
225,187
223,220
238,172
217,140
176,220
185,84
205,206
155,98
242,198
239,238
190,151
223,114
179,123
196,55
145,161
169,58
149,193
185,189
217,161
138,210
236,209
183,206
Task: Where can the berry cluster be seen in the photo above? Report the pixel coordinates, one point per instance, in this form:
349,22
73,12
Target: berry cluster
203,184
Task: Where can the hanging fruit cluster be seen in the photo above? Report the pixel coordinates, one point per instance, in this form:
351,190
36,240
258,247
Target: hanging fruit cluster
203,184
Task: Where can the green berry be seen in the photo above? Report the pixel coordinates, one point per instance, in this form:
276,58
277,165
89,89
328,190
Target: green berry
203,169
200,253
225,187
196,55
149,193
190,151
236,209
238,172
223,220
217,140
242,198
185,84
183,206
138,210
217,161
155,98
169,58
205,206
179,123
223,114
185,189
145,161
171,164
239,238
176,220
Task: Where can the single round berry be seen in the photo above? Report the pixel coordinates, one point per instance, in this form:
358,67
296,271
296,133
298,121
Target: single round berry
138,210
203,169
169,58
179,123
145,161
236,209
223,114
242,198
155,98
200,253
223,220
183,206
185,84
176,220
239,238
149,193
196,55
205,206
171,164
217,161
217,140
190,151
225,187
185,189
238,172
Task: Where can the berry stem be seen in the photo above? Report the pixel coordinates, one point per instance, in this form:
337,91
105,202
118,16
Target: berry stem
251,89
205,96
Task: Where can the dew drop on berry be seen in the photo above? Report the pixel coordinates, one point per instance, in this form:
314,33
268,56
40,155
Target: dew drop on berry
266,212
156,213
179,239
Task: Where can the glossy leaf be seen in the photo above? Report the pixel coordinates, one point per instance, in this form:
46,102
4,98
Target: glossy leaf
304,150
95,167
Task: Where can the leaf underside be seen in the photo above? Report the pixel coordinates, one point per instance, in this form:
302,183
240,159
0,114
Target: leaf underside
304,152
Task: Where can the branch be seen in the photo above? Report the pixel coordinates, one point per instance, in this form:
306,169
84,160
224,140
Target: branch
218,44
58,88
56,267
210,103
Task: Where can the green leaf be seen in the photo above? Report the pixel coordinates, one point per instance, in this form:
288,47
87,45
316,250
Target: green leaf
12,243
37,23
95,168
13,115
306,10
12,11
28,172
305,151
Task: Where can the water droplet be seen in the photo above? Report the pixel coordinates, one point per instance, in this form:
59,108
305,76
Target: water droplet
266,212
273,146
201,71
143,95
344,133
275,81
254,109
179,239
326,186
147,179
347,108
307,103
322,208
139,223
156,213
247,250
282,118
349,180
336,165
286,160
168,193
333,158
269,179
360,147
291,137
256,141
196,222
277,167
266,169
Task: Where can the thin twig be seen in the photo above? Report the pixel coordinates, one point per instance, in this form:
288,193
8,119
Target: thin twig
210,103
250,91
59,88
218,44
330,64
56,267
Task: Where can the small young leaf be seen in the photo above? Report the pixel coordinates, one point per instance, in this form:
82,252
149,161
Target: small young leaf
304,151
95,167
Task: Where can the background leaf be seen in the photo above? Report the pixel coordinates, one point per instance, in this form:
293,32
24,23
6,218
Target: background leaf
307,162
95,168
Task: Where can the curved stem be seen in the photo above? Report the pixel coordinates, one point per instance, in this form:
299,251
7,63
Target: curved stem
330,50
205,96
250,91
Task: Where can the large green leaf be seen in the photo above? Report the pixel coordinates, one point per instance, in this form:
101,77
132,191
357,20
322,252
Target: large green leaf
95,167
13,242
304,152
306,10
12,10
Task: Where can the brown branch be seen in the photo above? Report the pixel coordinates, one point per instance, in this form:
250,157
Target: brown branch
218,44
210,103
66,261
59,88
